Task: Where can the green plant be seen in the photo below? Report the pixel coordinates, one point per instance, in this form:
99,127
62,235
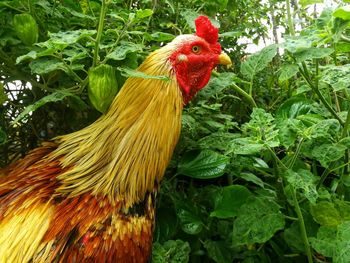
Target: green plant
261,172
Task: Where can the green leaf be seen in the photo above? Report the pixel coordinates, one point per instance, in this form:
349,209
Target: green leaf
331,213
294,107
190,16
325,129
46,65
258,61
54,97
63,39
250,177
190,217
222,4
305,3
206,165
162,37
342,12
293,117
297,44
123,50
259,118
26,28
333,242
247,146
34,55
287,72
231,34
217,141
127,72
218,84
293,237
343,208
326,241
74,54
289,131
337,76
257,221
219,251
305,181
79,15
143,13
261,133
172,251
342,47
326,214
312,53
232,198
327,153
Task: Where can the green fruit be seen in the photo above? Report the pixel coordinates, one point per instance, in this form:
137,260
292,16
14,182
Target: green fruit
26,28
103,86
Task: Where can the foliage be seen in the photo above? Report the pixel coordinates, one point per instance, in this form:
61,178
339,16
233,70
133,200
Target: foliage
261,172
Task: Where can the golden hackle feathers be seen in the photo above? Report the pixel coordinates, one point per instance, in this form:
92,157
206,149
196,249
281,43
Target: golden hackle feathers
74,199
124,153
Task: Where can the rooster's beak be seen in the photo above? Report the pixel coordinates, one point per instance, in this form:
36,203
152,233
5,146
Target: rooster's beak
224,59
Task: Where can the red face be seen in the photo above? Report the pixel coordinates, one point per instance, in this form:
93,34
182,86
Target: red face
192,63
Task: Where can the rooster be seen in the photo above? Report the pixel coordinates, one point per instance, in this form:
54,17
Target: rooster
89,196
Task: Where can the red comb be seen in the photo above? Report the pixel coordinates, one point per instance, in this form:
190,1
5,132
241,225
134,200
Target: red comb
206,30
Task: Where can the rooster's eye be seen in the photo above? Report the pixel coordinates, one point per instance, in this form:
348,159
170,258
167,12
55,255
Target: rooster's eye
196,49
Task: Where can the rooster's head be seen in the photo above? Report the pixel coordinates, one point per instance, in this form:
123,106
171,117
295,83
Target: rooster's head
194,57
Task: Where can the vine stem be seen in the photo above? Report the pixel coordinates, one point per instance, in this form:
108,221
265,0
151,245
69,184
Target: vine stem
346,125
251,87
344,134
345,38
302,226
245,95
99,31
277,159
296,154
305,74
290,19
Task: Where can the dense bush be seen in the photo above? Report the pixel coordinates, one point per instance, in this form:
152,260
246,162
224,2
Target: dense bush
261,172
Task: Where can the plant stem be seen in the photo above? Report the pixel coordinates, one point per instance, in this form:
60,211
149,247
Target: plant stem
290,19
251,87
276,158
296,154
345,38
99,32
229,179
346,125
245,95
317,72
304,72
323,177
302,226
343,135
291,218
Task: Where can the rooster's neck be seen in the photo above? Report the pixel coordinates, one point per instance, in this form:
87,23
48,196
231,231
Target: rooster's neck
124,154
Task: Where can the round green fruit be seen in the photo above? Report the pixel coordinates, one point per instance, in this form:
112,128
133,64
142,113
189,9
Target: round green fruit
102,87
26,28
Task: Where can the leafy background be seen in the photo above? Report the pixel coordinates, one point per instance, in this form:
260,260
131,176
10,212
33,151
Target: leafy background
261,172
